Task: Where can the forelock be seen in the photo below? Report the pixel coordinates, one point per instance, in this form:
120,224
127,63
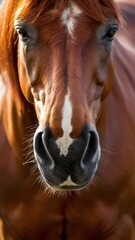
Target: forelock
98,10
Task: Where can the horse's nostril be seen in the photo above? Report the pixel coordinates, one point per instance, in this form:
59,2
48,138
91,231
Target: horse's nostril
92,152
93,143
40,152
39,148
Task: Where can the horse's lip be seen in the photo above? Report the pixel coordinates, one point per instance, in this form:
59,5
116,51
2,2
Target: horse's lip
68,188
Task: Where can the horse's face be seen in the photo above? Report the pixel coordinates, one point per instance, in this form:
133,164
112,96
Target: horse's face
64,69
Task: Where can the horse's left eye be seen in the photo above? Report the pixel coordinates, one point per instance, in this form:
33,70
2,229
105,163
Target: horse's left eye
110,34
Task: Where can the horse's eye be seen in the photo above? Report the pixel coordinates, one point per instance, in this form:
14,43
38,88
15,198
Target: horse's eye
23,34
110,34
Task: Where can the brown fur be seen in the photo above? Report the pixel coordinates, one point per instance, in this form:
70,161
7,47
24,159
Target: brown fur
105,210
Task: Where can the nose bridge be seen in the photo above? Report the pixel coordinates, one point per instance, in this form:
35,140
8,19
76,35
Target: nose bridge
72,115
68,110
76,92
67,115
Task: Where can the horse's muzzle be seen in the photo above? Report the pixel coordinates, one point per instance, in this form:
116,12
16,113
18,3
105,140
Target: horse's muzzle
76,169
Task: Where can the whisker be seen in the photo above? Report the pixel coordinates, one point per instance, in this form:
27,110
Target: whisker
27,149
34,126
27,162
28,153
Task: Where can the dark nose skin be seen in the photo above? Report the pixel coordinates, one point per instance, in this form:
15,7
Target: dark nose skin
79,165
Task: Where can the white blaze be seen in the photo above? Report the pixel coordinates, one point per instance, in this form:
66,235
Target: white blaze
65,141
68,17
68,182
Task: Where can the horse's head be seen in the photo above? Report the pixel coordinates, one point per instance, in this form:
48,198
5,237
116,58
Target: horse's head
65,71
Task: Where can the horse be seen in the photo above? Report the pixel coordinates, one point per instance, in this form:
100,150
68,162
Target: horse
67,120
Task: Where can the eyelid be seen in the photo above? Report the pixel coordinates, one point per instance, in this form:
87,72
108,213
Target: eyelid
23,35
28,29
113,28
105,28
115,25
18,24
108,37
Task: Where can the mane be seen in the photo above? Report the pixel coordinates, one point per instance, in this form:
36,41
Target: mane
97,10
31,10
8,48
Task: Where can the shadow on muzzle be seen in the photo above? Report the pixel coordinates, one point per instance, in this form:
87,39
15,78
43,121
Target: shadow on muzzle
76,169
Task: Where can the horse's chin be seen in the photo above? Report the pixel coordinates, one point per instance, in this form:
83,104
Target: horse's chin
66,191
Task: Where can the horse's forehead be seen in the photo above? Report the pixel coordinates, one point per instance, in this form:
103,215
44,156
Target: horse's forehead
72,10
69,15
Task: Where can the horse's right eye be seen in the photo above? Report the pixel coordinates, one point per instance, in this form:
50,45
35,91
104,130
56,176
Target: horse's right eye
23,34
26,32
